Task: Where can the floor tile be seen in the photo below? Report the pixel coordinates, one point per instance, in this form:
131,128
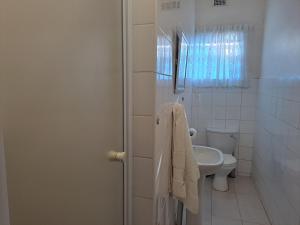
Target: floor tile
224,205
244,185
231,185
207,202
240,205
251,209
224,221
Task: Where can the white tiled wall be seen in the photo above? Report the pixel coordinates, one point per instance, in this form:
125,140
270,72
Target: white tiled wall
168,21
227,108
143,98
277,151
276,165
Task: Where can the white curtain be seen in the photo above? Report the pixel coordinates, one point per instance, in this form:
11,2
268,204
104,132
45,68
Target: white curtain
218,56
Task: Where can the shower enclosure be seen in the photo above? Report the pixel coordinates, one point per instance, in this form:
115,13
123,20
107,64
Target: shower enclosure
62,104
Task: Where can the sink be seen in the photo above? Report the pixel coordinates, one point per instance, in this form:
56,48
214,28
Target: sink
209,159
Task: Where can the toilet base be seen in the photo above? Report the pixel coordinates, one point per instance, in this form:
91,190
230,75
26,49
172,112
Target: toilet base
220,183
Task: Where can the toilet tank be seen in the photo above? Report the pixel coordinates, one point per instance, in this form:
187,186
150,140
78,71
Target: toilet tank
222,139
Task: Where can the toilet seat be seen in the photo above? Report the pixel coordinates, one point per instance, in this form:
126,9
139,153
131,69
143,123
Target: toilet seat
229,160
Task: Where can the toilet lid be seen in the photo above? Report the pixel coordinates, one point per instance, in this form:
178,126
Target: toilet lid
229,159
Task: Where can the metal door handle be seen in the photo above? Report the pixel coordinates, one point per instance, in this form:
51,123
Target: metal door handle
116,156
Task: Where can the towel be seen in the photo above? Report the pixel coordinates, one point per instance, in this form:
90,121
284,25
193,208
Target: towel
185,171
165,207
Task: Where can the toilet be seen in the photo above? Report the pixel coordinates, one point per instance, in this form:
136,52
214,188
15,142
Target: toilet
225,140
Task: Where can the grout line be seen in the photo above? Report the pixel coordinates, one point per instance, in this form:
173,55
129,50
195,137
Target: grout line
260,200
238,204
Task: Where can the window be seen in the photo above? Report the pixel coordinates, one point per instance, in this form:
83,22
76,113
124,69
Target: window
219,57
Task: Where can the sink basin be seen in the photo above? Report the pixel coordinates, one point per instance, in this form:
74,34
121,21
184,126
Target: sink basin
209,159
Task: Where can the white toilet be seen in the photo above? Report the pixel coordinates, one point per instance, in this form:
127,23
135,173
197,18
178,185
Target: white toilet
224,140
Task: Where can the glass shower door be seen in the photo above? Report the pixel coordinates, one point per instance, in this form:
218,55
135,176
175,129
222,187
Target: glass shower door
62,89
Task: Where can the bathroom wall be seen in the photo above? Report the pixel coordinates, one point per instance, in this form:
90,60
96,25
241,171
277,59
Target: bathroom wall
237,12
150,89
143,82
232,108
168,20
277,152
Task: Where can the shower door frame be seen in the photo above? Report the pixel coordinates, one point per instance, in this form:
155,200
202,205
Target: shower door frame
127,109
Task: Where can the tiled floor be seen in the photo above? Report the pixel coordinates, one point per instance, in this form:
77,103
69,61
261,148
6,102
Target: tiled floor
239,206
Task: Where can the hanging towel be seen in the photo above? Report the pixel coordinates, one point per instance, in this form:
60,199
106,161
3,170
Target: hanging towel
165,209
185,171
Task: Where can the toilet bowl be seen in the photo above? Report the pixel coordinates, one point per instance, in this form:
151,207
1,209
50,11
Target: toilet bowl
220,180
225,140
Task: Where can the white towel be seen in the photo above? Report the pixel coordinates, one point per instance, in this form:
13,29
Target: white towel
165,212
185,171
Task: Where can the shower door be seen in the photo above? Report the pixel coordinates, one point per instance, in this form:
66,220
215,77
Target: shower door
62,90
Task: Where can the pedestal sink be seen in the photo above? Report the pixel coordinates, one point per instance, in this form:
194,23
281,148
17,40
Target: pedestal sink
209,161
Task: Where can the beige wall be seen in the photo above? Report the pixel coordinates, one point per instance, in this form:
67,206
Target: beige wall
277,152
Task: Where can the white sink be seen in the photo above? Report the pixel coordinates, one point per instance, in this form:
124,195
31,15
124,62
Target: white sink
209,159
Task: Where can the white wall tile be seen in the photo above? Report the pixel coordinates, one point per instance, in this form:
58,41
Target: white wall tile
247,126
245,153
143,177
252,89
143,93
202,99
246,140
289,112
143,11
276,155
219,99
203,112
248,113
144,48
233,112
220,124
248,99
244,167
233,99
143,136
219,112
233,124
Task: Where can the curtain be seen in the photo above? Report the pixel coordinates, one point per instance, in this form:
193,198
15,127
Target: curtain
218,56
